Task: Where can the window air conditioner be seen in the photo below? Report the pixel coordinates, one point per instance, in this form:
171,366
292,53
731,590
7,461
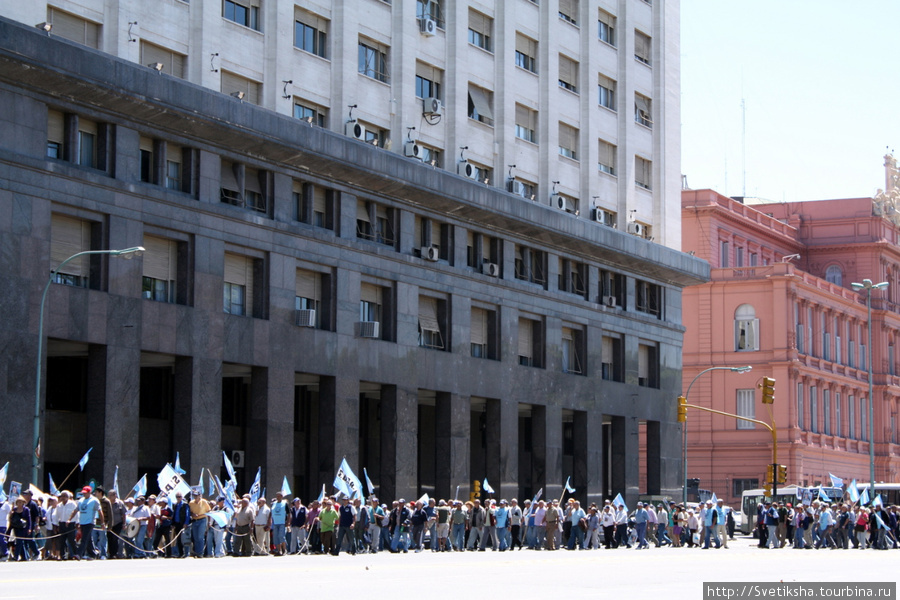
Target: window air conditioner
412,150
558,201
306,317
635,228
610,301
514,186
355,130
492,269
427,26
432,107
467,169
602,217
368,329
237,459
429,253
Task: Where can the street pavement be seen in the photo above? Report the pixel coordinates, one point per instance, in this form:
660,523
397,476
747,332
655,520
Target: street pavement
625,573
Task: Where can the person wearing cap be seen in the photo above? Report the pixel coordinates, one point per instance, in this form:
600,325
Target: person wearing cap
442,525
551,521
141,514
198,508
36,518
215,533
608,523
328,520
163,531
640,525
19,524
181,521
88,512
621,527
578,518
418,519
298,526
710,520
515,524
501,520
278,523
477,516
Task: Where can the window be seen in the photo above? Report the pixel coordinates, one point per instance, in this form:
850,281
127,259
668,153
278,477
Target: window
56,133
375,135
172,62
800,406
648,365
573,350
431,156
376,313
160,268
238,285
851,416
174,171
480,27
746,328
611,358
375,222
73,28
244,187
606,157
813,410
738,257
431,233
612,289
643,172
863,420
606,28
746,408
526,123
308,301
523,188
642,47
428,81
648,298
314,204
526,53
246,14
484,333
531,265
482,250
838,425
233,83
431,314
833,274
568,11
606,89
311,113
826,410
642,112
572,277
739,486
568,141
567,203
310,33
568,73
724,254
148,166
530,343
373,60
68,237
87,144
480,102
370,303
430,9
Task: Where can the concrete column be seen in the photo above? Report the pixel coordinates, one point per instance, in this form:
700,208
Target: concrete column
581,435
399,414
494,443
538,447
452,445
197,414
625,467
594,458
509,449
270,432
654,459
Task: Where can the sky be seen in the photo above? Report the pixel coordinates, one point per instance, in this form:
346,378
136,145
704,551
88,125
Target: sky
820,86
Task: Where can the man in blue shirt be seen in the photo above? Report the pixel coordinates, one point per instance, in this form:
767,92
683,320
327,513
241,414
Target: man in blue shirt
576,536
278,523
709,525
501,518
88,511
640,523
346,523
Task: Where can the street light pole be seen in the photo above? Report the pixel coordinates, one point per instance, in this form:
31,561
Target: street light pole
684,425
869,286
127,253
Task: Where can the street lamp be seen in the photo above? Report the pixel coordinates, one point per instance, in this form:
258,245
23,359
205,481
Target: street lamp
869,286
127,253
684,425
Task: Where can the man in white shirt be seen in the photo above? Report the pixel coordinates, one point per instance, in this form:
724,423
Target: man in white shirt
141,513
5,509
261,527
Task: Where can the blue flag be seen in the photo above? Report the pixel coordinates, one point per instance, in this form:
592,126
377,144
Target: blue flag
864,497
84,460
53,489
569,488
254,489
177,465
3,473
116,481
487,487
140,488
836,481
285,488
230,494
853,491
619,500
537,497
881,523
877,501
347,482
221,517
823,496
321,495
230,468
2,495
371,485
713,499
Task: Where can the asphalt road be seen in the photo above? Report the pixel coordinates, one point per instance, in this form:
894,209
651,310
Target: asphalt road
669,573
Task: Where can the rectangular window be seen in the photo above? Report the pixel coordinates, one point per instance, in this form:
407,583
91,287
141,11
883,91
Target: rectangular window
572,350
238,285
234,84
738,257
431,334
430,9
643,114
73,28
172,62
370,303
851,417
246,13
526,123
87,144
311,113
480,27
314,204
813,410
568,73
606,89
606,28
376,312
746,407
148,165
480,103
568,11
863,420
530,343
826,410
484,334
568,141
606,157
643,172
310,33
572,277
531,265
648,298
642,47
800,407
648,365
612,289
308,299
160,269
431,156
526,53
244,187
523,188
375,222
746,334
372,60
838,424
724,254
428,81
174,170
68,237
611,358
738,486
56,133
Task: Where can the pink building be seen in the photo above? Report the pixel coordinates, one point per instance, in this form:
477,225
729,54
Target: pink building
780,300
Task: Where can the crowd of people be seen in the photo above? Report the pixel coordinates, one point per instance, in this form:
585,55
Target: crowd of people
97,524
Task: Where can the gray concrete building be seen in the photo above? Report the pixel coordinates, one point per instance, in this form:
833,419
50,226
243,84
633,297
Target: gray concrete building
306,296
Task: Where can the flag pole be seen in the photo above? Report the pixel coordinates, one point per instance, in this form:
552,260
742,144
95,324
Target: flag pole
67,476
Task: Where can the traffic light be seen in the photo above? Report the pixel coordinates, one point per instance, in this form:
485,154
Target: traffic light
767,489
768,390
782,474
682,409
476,491
770,474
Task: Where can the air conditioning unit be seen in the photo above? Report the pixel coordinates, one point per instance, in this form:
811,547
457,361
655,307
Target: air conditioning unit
412,150
306,317
355,130
467,169
431,253
368,329
237,459
432,107
492,269
558,201
603,217
514,186
427,26
635,228
610,301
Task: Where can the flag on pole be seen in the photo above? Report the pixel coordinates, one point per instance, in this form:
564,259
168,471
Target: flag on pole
487,487
823,496
853,491
285,488
53,489
714,499
84,460
321,495
424,500
221,517
140,488
254,489
877,501
3,473
170,482
619,500
881,523
230,495
864,497
347,482
230,468
2,495
569,488
836,481
371,485
537,497
115,486
177,466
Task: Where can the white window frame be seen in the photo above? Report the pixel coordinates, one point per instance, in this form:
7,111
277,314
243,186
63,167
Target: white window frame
746,407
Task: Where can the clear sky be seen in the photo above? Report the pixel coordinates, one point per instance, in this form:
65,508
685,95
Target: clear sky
820,83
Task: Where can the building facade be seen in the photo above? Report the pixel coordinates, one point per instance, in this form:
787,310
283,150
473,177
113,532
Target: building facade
780,300
306,296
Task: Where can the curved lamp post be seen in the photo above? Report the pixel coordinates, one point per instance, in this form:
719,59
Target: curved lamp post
127,253
869,286
684,425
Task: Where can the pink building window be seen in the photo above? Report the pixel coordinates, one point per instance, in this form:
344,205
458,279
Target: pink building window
746,329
